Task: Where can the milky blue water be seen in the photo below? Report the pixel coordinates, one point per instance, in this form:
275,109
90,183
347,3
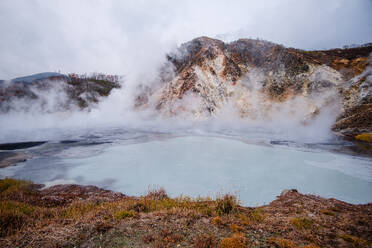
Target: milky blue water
203,166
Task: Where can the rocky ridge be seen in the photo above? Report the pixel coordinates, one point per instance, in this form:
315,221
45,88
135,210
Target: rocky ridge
67,91
255,75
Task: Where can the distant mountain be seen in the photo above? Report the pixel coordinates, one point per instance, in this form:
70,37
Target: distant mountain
40,77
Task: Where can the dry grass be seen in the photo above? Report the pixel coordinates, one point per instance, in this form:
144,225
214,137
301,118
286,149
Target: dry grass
155,220
302,223
9,186
205,241
282,243
157,194
226,204
236,241
257,215
328,212
218,221
355,241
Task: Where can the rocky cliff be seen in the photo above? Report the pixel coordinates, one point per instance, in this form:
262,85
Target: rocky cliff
254,77
51,92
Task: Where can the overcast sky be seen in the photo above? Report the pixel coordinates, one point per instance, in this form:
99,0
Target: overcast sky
125,36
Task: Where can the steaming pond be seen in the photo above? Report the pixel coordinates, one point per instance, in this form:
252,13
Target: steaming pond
203,166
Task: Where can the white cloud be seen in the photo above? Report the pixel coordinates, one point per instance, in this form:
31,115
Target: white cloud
133,36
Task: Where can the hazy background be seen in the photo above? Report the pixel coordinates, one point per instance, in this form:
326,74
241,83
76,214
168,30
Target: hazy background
132,36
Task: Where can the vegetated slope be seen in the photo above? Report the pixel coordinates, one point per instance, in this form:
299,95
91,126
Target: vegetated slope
86,216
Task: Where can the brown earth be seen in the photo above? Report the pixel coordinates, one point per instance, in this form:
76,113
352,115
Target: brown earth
86,216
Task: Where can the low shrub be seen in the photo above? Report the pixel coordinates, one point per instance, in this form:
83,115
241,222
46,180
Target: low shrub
302,223
13,216
257,215
11,186
353,240
327,212
123,214
205,241
217,221
157,194
236,241
226,204
235,228
282,243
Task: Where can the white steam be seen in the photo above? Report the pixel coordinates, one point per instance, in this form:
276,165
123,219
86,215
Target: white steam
131,38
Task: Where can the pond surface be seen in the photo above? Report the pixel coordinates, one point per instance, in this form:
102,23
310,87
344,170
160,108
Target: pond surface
202,166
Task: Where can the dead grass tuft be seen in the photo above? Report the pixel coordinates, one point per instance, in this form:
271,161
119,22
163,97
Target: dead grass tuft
354,240
226,204
124,214
13,216
235,228
236,241
257,215
157,194
205,241
13,187
282,243
302,223
217,221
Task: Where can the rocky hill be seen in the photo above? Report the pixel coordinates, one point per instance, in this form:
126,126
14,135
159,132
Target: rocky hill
254,76
67,91
254,79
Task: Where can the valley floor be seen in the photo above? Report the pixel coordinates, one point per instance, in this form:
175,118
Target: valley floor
87,216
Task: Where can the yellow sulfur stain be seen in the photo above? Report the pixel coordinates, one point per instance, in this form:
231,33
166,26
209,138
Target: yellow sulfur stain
367,137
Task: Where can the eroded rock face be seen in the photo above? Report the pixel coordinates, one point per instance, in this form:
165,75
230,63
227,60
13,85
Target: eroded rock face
254,76
54,92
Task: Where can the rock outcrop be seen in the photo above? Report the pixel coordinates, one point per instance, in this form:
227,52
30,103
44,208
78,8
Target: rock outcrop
66,91
254,76
249,79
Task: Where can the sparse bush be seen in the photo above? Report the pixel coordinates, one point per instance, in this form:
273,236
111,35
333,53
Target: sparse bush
226,205
217,221
11,186
244,220
205,241
327,212
78,210
236,241
302,223
13,216
157,194
353,240
235,228
140,207
123,215
282,243
257,215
